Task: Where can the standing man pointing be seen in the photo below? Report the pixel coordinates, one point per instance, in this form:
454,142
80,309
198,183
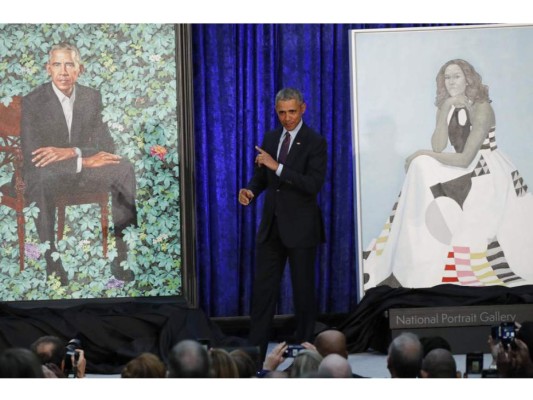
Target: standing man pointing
290,168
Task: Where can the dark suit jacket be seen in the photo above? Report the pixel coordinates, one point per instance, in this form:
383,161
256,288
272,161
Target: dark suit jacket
43,124
293,195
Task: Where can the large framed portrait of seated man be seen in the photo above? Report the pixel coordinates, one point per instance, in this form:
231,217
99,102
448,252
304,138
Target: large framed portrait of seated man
91,205
442,132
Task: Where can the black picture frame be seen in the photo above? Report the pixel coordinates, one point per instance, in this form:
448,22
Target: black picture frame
187,293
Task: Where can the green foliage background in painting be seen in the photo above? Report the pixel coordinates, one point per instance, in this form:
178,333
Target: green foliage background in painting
133,67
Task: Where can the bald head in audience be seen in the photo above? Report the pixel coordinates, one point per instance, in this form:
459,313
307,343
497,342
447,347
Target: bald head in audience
188,359
335,366
439,363
405,356
331,341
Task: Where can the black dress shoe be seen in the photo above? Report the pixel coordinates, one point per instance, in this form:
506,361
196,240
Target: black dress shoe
120,273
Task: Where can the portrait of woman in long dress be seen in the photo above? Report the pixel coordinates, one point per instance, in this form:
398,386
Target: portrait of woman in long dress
464,215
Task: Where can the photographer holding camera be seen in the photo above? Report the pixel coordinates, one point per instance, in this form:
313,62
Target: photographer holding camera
273,359
63,360
278,355
514,361
510,354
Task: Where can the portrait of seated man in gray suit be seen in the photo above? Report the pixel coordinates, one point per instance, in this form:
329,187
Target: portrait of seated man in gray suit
67,148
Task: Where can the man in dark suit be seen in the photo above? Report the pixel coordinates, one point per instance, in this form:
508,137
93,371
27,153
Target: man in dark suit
67,148
290,168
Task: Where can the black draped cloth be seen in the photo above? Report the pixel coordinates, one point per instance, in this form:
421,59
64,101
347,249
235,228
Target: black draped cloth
368,326
110,334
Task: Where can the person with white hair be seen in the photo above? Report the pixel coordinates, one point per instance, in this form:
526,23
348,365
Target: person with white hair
335,366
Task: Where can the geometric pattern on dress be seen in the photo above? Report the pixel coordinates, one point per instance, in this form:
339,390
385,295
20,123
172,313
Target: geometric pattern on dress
518,182
490,141
456,189
393,212
481,168
486,268
496,258
378,245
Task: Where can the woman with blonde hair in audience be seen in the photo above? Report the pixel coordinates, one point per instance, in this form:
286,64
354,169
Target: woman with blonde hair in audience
244,362
306,362
147,365
222,365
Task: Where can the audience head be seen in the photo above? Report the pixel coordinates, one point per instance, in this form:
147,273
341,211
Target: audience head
331,341
305,362
405,356
439,363
50,350
146,365
20,363
188,359
335,366
434,342
244,362
222,365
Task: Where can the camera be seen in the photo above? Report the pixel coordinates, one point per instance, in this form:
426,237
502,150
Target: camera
70,350
505,332
293,350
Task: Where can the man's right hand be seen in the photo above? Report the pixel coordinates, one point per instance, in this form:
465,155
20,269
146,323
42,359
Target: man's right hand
44,156
100,159
245,196
81,364
275,357
309,346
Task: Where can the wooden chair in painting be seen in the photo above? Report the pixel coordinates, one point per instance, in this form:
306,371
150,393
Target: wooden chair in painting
12,193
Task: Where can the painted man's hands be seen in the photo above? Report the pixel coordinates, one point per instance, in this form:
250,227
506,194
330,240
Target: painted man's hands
100,159
44,156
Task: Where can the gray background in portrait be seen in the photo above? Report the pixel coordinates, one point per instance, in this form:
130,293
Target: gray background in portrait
395,109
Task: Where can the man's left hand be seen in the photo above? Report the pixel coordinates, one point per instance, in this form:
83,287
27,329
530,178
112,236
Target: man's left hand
44,156
263,158
100,159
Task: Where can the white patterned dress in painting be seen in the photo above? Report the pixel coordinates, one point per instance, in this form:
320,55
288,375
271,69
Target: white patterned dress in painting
467,226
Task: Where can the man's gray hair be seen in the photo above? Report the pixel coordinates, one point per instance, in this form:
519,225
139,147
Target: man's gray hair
69,47
289,94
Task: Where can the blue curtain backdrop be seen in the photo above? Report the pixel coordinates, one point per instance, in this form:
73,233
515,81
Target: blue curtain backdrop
237,71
